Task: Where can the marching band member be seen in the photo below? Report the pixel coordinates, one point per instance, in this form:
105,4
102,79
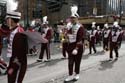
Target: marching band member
17,49
64,39
114,41
64,43
75,48
99,35
121,36
92,38
106,34
47,34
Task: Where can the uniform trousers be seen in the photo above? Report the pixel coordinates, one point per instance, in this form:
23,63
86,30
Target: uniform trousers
45,47
74,61
105,44
114,46
18,72
92,45
64,48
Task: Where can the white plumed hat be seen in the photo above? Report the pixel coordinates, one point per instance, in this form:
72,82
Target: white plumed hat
13,14
45,20
93,24
74,10
106,25
115,24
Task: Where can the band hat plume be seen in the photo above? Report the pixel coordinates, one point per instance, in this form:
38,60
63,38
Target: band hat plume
74,10
13,14
45,20
115,24
106,25
93,24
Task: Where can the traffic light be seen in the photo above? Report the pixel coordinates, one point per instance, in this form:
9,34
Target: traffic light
54,5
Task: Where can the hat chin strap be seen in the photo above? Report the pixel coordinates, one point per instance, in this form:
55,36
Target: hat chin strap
16,17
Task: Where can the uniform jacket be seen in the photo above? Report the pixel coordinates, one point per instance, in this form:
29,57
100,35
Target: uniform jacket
19,50
106,33
48,33
92,36
115,37
79,38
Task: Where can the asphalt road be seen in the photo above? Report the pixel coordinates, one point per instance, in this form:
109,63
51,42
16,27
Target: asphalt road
94,69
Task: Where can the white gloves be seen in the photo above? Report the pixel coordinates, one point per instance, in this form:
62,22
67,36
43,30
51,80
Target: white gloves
74,52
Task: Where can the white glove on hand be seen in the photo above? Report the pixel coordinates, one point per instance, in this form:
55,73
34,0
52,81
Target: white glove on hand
74,52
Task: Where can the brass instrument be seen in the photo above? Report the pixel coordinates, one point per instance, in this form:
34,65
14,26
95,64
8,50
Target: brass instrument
64,37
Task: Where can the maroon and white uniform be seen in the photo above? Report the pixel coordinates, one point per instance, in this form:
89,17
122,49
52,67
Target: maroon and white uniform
114,43
106,34
75,37
96,35
121,37
17,50
47,34
92,40
98,38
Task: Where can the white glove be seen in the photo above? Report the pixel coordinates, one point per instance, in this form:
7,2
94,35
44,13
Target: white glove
74,52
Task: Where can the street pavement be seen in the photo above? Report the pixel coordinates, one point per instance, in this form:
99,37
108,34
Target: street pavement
94,68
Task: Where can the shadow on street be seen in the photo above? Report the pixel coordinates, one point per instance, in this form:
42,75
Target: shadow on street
86,56
51,63
72,81
106,64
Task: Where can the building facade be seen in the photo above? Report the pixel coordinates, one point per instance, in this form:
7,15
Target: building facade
116,7
40,8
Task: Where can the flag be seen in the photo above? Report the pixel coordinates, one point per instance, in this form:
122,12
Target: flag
34,38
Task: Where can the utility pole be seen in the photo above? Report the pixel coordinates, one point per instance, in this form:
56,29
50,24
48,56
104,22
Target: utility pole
26,16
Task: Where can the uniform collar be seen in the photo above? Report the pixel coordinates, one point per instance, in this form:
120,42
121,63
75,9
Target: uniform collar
13,28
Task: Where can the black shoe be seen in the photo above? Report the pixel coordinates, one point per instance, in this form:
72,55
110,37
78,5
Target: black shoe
63,58
90,53
95,52
39,60
106,49
116,58
110,59
48,60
